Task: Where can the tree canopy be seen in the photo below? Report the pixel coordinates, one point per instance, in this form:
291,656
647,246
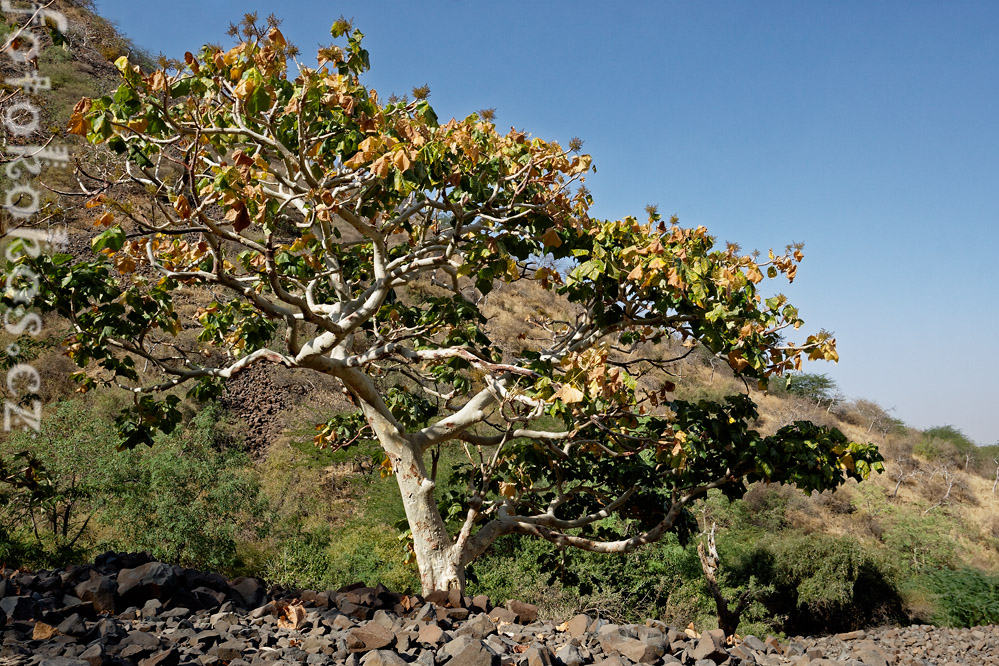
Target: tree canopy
355,237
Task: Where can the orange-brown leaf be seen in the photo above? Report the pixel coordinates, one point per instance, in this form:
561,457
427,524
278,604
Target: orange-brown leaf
292,617
551,238
736,360
157,82
183,207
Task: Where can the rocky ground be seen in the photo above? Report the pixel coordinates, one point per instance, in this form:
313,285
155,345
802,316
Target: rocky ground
129,609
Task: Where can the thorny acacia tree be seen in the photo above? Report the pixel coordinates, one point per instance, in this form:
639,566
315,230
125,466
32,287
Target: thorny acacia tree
312,209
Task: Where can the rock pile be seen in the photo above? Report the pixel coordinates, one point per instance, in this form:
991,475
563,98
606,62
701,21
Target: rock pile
131,610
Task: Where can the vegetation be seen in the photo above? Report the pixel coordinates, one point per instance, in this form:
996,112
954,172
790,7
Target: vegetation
358,239
921,544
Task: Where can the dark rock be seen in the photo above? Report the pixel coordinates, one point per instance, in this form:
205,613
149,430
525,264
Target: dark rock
710,646
570,655
168,657
249,592
228,650
467,651
479,626
19,608
99,590
537,655
95,655
526,613
146,581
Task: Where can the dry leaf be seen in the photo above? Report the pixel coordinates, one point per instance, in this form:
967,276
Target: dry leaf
569,394
292,617
43,632
157,81
183,207
551,238
691,632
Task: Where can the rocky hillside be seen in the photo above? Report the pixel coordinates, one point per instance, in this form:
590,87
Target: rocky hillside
128,609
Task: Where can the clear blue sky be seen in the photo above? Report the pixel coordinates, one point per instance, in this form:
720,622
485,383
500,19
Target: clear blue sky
867,130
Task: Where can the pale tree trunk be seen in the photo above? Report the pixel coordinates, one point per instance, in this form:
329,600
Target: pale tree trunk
437,556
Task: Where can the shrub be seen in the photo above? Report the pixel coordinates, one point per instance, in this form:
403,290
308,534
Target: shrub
660,580
188,499
964,597
819,583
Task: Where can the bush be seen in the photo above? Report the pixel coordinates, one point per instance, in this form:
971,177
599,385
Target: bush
661,580
964,597
817,583
187,500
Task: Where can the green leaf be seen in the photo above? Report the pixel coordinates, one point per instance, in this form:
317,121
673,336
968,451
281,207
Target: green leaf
113,239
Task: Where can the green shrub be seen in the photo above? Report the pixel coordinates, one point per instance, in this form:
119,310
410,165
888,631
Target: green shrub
186,500
816,583
48,526
659,580
964,597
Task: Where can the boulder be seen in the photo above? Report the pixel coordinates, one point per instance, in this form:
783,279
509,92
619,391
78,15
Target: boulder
99,590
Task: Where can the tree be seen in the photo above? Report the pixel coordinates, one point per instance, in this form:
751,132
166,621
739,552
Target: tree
326,221
817,387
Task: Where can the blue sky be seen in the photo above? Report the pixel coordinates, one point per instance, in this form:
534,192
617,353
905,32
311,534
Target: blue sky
867,130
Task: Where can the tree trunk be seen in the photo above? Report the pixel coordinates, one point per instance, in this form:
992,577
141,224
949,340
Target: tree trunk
728,618
437,556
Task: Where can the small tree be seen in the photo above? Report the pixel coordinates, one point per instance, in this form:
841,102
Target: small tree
321,217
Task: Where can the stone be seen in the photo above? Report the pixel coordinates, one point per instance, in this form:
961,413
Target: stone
249,592
638,651
870,657
570,655
151,580
19,608
526,613
382,658
710,646
228,650
501,615
537,655
168,657
467,651
98,590
369,637
95,655
479,626
430,634
579,625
